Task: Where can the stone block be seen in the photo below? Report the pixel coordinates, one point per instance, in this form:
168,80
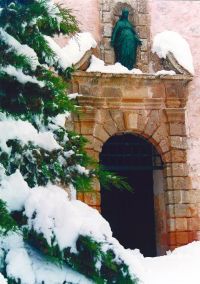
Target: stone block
181,238
118,118
87,127
80,196
109,57
169,197
181,210
131,120
172,238
107,30
193,224
111,92
144,57
177,129
180,169
164,146
144,45
106,43
143,32
92,198
110,127
143,20
179,142
169,183
170,211
181,196
100,133
142,7
178,156
106,16
181,183
171,225
181,224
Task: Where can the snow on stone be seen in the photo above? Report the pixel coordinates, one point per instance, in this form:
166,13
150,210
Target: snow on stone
98,65
170,41
14,191
74,96
25,132
56,216
72,53
20,49
20,76
165,72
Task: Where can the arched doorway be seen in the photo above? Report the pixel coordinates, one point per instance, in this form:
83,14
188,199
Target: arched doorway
132,215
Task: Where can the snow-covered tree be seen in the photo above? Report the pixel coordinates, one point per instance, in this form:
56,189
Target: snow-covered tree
38,154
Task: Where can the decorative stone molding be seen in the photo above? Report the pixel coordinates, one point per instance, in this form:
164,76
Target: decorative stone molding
154,108
170,63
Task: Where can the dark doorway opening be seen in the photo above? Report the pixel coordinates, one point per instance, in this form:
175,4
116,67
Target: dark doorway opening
131,215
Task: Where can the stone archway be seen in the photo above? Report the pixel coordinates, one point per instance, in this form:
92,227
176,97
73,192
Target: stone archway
153,107
135,217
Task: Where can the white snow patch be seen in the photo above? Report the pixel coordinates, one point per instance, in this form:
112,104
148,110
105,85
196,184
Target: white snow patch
19,266
20,76
60,119
20,49
14,191
170,41
2,279
98,65
25,132
74,96
55,215
165,72
74,50
31,267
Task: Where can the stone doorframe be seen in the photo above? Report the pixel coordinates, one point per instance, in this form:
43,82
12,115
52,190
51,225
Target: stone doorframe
154,108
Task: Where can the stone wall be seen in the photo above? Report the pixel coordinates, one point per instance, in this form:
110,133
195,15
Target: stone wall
155,109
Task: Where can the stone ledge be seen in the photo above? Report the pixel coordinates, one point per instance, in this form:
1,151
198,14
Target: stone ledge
148,76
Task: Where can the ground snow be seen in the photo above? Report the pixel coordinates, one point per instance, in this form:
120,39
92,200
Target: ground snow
98,65
72,53
50,212
169,41
25,132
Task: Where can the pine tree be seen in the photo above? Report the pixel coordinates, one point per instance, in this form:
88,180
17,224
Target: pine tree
33,92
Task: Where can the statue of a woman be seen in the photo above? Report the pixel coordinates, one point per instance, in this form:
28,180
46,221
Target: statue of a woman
125,41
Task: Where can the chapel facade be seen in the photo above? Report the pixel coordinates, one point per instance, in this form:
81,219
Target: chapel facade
144,127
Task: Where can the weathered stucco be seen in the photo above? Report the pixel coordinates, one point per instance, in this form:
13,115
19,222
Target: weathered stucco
87,14
183,17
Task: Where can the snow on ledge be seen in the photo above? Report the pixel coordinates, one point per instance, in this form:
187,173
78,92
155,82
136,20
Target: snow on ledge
98,65
72,52
170,41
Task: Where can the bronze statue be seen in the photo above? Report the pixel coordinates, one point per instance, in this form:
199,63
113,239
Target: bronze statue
125,41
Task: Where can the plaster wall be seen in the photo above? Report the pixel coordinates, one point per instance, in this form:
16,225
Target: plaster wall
183,17
87,14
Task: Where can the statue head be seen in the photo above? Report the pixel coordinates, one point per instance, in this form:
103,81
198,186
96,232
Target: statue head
125,13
